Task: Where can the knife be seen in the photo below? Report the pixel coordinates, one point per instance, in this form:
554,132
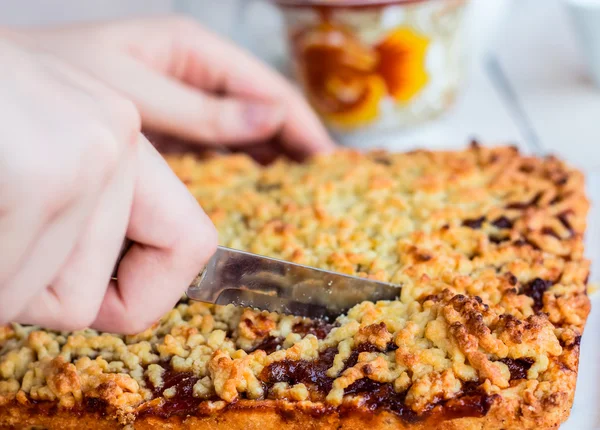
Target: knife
255,281
249,280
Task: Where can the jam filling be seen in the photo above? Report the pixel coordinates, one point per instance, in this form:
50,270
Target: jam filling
575,342
523,242
502,222
498,239
382,160
95,405
310,373
183,402
562,180
536,289
317,327
512,279
524,205
375,395
475,223
365,347
562,217
518,368
269,344
526,168
550,232
476,405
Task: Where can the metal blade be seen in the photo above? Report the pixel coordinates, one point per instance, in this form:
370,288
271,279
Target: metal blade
250,299
251,280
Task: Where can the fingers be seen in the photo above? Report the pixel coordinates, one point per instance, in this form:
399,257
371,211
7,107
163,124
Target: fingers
31,294
52,172
258,102
47,203
182,111
44,257
207,61
79,288
197,116
174,239
18,230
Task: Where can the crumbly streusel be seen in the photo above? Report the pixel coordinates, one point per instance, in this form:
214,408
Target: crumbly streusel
486,245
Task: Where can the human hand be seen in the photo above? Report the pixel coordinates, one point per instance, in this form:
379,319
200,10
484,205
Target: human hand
76,176
190,84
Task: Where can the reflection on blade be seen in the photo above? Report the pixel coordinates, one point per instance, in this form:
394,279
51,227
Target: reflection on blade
265,302
265,283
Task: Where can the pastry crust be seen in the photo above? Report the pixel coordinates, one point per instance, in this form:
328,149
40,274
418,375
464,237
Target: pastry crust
485,243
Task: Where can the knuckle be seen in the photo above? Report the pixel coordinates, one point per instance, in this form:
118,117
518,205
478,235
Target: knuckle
30,175
104,150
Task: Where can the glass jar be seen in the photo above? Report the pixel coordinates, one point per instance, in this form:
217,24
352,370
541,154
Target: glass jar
376,65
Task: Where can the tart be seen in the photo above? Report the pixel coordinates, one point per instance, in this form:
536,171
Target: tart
485,244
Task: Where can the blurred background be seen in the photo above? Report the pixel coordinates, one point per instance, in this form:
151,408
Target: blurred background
527,79
530,77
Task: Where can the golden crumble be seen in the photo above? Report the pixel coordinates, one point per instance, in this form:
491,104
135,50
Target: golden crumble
485,244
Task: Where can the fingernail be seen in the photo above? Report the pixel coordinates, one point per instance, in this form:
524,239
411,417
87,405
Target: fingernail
261,115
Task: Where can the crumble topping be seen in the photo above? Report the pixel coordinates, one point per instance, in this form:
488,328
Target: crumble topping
485,244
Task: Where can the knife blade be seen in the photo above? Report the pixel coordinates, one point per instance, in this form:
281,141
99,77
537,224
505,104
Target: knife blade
255,281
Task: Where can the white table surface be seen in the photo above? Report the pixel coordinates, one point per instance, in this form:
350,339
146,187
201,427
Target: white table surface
544,63
538,55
